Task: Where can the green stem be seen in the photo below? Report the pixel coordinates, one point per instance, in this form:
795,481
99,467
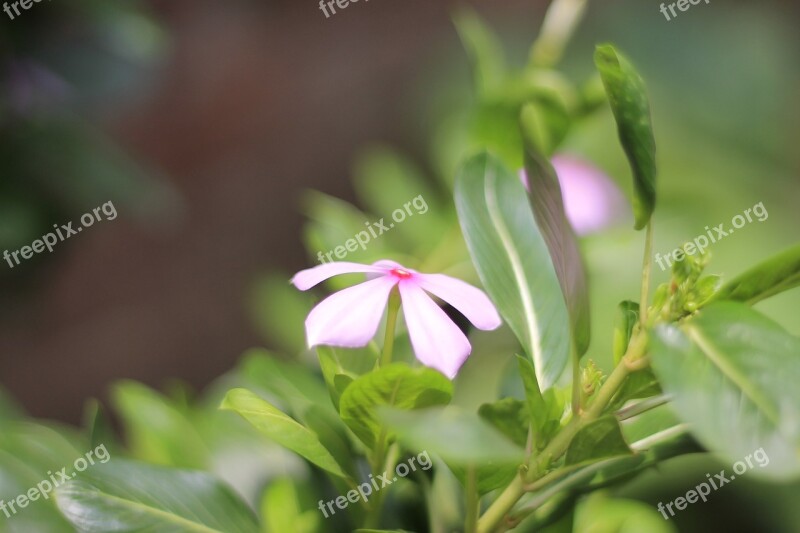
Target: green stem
646,268
577,385
391,322
473,501
560,21
496,512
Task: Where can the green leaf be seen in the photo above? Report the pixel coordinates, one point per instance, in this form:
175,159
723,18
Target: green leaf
484,49
551,217
513,262
396,385
494,127
769,278
597,440
332,433
288,507
545,410
627,317
386,181
601,514
544,124
156,430
631,107
458,437
640,384
733,374
129,496
340,367
99,426
295,385
509,416
648,426
281,428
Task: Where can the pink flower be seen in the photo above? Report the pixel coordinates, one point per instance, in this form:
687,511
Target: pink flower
591,199
350,317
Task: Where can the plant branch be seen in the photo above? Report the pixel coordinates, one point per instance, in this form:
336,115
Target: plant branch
641,407
560,21
496,512
647,265
473,500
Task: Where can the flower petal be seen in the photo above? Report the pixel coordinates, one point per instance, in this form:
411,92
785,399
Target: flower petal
470,301
437,341
591,199
350,317
305,279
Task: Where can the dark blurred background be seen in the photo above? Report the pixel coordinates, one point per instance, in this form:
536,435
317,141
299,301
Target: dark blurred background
204,120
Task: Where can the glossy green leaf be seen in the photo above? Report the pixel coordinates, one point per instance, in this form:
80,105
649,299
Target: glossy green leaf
513,262
396,385
769,278
457,436
599,439
551,217
29,453
281,428
127,496
631,107
509,416
733,376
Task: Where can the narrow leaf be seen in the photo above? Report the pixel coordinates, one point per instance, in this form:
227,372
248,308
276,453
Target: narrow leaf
769,278
281,428
513,262
548,208
631,107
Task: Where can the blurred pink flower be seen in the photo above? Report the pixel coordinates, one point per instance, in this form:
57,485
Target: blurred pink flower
591,199
350,317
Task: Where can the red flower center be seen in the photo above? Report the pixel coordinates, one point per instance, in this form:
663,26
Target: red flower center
400,273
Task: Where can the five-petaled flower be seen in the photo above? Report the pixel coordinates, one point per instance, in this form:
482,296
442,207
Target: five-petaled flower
350,317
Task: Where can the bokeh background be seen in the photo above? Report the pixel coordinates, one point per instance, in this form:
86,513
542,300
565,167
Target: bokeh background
207,122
